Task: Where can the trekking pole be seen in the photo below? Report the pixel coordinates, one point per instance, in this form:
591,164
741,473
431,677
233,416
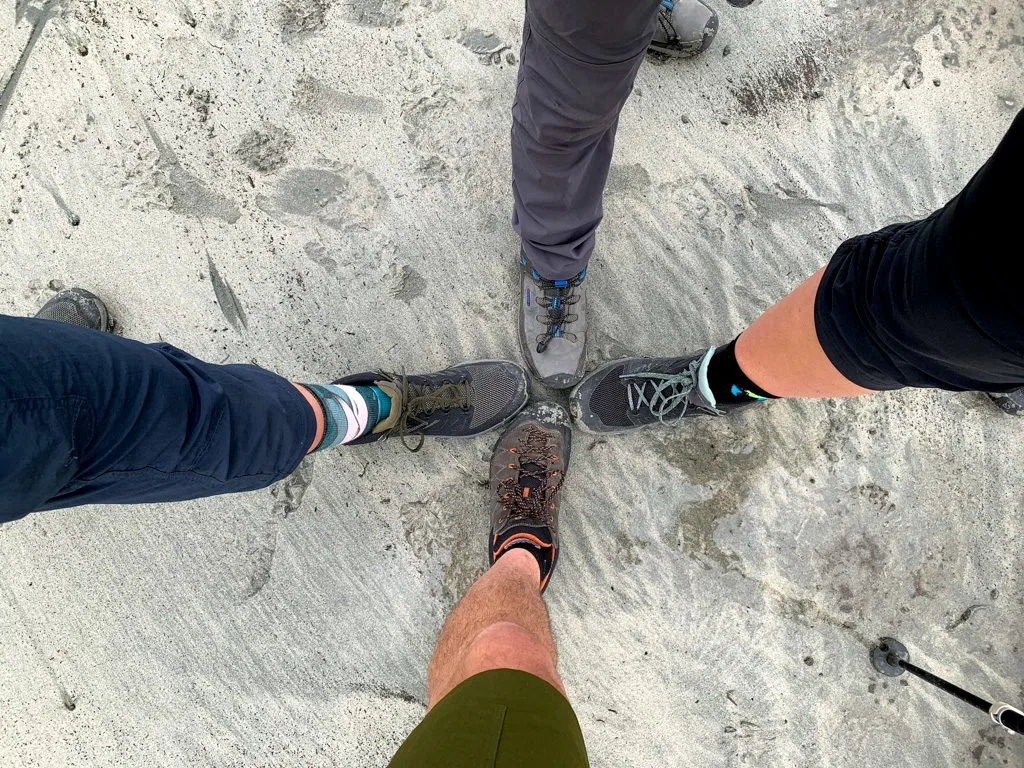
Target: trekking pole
891,658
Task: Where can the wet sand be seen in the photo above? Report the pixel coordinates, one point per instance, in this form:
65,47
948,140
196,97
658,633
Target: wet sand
324,187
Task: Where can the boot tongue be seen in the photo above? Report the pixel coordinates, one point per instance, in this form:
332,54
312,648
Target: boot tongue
391,419
702,395
529,483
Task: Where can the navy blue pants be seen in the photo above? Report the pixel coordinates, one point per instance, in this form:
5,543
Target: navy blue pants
91,418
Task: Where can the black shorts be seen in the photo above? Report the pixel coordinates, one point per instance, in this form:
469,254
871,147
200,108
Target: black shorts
938,302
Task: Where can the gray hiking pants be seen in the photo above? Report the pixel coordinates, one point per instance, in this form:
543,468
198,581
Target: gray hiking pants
578,63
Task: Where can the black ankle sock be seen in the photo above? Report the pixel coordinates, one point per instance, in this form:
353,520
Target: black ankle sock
537,543
729,384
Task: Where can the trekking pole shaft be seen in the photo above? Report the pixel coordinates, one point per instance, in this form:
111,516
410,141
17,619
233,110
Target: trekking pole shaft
891,658
938,682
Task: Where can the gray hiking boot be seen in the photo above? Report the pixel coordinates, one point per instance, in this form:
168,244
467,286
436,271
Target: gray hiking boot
528,467
465,400
553,326
77,307
1009,402
642,391
685,28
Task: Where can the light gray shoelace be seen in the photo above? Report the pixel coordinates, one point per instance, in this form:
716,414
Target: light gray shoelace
662,393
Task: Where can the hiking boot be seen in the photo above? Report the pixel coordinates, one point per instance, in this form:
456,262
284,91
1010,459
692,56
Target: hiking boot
462,401
641,391
1009,402
527,470
553,326
685,28
77,307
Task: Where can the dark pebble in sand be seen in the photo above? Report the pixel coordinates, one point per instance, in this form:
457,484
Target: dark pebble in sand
685,119
727,50
83,50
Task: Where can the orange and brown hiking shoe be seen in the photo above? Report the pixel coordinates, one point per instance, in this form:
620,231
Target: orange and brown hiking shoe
527,470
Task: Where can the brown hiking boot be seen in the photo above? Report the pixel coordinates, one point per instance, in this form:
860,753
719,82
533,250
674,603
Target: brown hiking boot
527,469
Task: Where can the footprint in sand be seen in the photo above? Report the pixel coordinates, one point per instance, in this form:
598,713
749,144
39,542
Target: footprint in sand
346,198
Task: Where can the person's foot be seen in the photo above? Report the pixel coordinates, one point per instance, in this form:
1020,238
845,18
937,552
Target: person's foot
1009,402
685,28
528,467
77,307
641,391
462,401
553,326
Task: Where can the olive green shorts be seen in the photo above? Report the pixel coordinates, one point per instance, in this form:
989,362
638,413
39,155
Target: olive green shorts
503,718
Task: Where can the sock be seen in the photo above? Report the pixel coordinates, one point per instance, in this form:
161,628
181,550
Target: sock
728,383
537,543
349,412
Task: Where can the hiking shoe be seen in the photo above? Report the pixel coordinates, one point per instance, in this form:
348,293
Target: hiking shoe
462,401
685,28
553,326
77,307
527,470
1009,402
641,391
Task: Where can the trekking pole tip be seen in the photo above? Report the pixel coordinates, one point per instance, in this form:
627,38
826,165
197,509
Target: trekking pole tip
886,656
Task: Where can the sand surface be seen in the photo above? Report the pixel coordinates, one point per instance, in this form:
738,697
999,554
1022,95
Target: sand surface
324,187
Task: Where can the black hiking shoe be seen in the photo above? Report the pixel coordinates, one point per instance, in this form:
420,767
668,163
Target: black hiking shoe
1009,402
553,326
527,470
77,307
641,391
462,401
686,28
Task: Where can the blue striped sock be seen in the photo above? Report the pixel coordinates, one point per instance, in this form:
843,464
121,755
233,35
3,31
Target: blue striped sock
349,412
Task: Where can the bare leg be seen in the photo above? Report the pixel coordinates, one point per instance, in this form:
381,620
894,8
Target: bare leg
500,623
780,350
318,415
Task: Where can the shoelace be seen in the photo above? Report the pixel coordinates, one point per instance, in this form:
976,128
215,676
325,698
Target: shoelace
422,400
661,393
534,450
665,20
557,300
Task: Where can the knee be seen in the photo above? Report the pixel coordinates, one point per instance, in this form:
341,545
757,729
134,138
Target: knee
506,645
